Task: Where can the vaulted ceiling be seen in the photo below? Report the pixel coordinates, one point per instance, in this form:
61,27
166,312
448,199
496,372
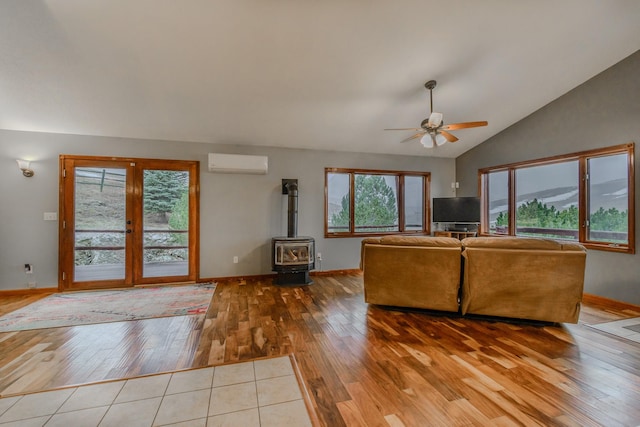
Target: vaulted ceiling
306,74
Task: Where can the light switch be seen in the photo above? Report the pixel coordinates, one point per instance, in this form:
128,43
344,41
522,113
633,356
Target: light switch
50,216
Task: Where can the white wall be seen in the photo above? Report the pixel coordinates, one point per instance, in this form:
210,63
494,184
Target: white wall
239,214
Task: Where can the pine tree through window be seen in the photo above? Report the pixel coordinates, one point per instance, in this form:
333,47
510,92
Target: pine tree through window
365,202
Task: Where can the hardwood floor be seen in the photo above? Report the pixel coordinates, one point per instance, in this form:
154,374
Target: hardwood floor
362,365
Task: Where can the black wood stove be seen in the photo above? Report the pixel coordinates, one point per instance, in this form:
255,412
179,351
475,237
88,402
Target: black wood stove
292,256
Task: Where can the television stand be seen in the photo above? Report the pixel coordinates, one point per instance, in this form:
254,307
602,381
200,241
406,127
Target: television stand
455,234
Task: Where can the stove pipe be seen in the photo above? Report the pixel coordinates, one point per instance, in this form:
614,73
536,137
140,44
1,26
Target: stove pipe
292,211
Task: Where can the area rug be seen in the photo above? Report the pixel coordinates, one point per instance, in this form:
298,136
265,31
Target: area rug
625,328
83,308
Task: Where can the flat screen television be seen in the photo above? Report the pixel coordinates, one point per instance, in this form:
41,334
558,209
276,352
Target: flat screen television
456,209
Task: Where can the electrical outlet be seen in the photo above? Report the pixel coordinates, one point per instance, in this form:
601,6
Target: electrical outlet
319,256
235,259
28,268
32,285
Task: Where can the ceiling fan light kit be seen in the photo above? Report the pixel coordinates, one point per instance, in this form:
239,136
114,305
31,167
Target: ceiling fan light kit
435,120
429,140
432,131
426,141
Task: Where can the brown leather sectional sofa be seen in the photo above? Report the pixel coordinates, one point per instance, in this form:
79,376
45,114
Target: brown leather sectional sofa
523,278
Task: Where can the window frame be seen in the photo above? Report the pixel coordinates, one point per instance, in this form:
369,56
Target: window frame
583,193
400,175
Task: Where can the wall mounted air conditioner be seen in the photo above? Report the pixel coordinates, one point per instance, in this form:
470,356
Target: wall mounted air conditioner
238,163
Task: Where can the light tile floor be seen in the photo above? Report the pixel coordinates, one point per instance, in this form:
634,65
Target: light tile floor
259,393
625,328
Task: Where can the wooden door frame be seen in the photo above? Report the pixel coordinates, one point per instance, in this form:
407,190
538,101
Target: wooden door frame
133,267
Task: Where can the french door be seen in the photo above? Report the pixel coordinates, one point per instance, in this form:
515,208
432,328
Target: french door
125,222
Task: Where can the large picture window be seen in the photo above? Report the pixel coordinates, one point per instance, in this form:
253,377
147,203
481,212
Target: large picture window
365,202
586,197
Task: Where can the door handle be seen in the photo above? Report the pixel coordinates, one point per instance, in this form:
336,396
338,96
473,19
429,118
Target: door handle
128,230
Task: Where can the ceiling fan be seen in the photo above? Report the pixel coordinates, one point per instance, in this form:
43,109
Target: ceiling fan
433,130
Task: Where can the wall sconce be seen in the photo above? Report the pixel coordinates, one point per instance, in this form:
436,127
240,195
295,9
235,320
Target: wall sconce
24,167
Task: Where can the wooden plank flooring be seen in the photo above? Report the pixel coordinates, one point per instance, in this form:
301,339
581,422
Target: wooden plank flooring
362,365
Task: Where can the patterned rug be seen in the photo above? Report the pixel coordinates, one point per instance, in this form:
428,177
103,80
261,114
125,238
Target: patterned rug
83,308
625,328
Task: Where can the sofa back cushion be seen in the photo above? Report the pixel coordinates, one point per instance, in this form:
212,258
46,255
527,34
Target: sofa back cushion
524,243
440,242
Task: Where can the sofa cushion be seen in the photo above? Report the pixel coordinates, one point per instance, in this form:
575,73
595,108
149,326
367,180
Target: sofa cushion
423,241
571,246
525,243
441,242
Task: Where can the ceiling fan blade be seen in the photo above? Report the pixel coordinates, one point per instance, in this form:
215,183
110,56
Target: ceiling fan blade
417,135
454,126
450,137
404,129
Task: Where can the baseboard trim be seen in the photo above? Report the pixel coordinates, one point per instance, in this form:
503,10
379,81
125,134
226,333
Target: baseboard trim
19,292
619,305
336,272
15,292
228,278
273,275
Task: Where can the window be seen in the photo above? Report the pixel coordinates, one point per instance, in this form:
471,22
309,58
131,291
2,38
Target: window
586,197
498,201
365,202
608,199
547,200
414,203
338,201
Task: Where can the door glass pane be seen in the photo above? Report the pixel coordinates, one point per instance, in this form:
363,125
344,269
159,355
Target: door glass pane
100,224
376,203
547,201
498,198
609,199
337,202
165,223
413,203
